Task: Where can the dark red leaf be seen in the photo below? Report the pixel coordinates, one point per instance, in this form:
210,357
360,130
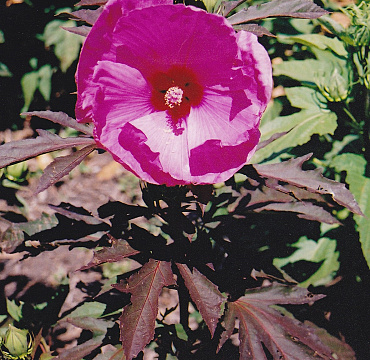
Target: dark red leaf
254,28
205,295
91,2
119,250
292,8
16,151
291,172
62,166
305,210
79,30
137,322
76,213
62,119
228,6
284,337
87,15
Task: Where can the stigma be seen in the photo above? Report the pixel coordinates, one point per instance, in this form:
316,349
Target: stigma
173,96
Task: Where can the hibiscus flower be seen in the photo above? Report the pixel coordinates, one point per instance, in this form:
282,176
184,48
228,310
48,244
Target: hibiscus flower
175,95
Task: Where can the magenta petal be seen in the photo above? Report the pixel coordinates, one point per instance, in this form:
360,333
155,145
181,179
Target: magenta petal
173,38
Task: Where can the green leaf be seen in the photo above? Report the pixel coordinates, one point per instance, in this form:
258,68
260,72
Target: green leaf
92,309
210,4
66,44
29,83
14,310
359,185
303,70
322,42
310,250
299,126
4,71
2,38
45,73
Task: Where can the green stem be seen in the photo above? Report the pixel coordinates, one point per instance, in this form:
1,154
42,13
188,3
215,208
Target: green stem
366,136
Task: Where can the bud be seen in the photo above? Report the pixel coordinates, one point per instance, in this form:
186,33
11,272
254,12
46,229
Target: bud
335,88
17,172
16,344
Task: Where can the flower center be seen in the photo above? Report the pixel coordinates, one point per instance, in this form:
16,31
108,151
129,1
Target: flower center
173,96
176,91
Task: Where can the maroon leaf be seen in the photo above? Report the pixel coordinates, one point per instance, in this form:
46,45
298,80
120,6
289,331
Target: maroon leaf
91,2
274,137
62,166
228,6
305,210
119,250
137,322
312,180
62,119
254,28
79,30
292,8
76,213
205,295
284,337
16,151
87,15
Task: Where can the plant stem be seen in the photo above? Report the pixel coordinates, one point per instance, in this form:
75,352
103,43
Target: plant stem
366,135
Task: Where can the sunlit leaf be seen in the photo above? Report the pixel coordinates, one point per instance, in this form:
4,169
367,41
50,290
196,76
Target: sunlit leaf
359,185
294,8
205,295
260,324
11,238
62,166
16,151
66,45
62,119
137,322
309,250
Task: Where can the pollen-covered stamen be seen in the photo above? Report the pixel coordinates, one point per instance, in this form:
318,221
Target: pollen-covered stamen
173,96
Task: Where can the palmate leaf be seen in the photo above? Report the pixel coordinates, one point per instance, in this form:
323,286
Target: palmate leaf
79,30
205,295
62,166
17,151
312,180
137,322
285,337
292,8
359,185
298,128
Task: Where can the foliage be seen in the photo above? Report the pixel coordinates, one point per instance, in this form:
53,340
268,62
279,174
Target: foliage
207,242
